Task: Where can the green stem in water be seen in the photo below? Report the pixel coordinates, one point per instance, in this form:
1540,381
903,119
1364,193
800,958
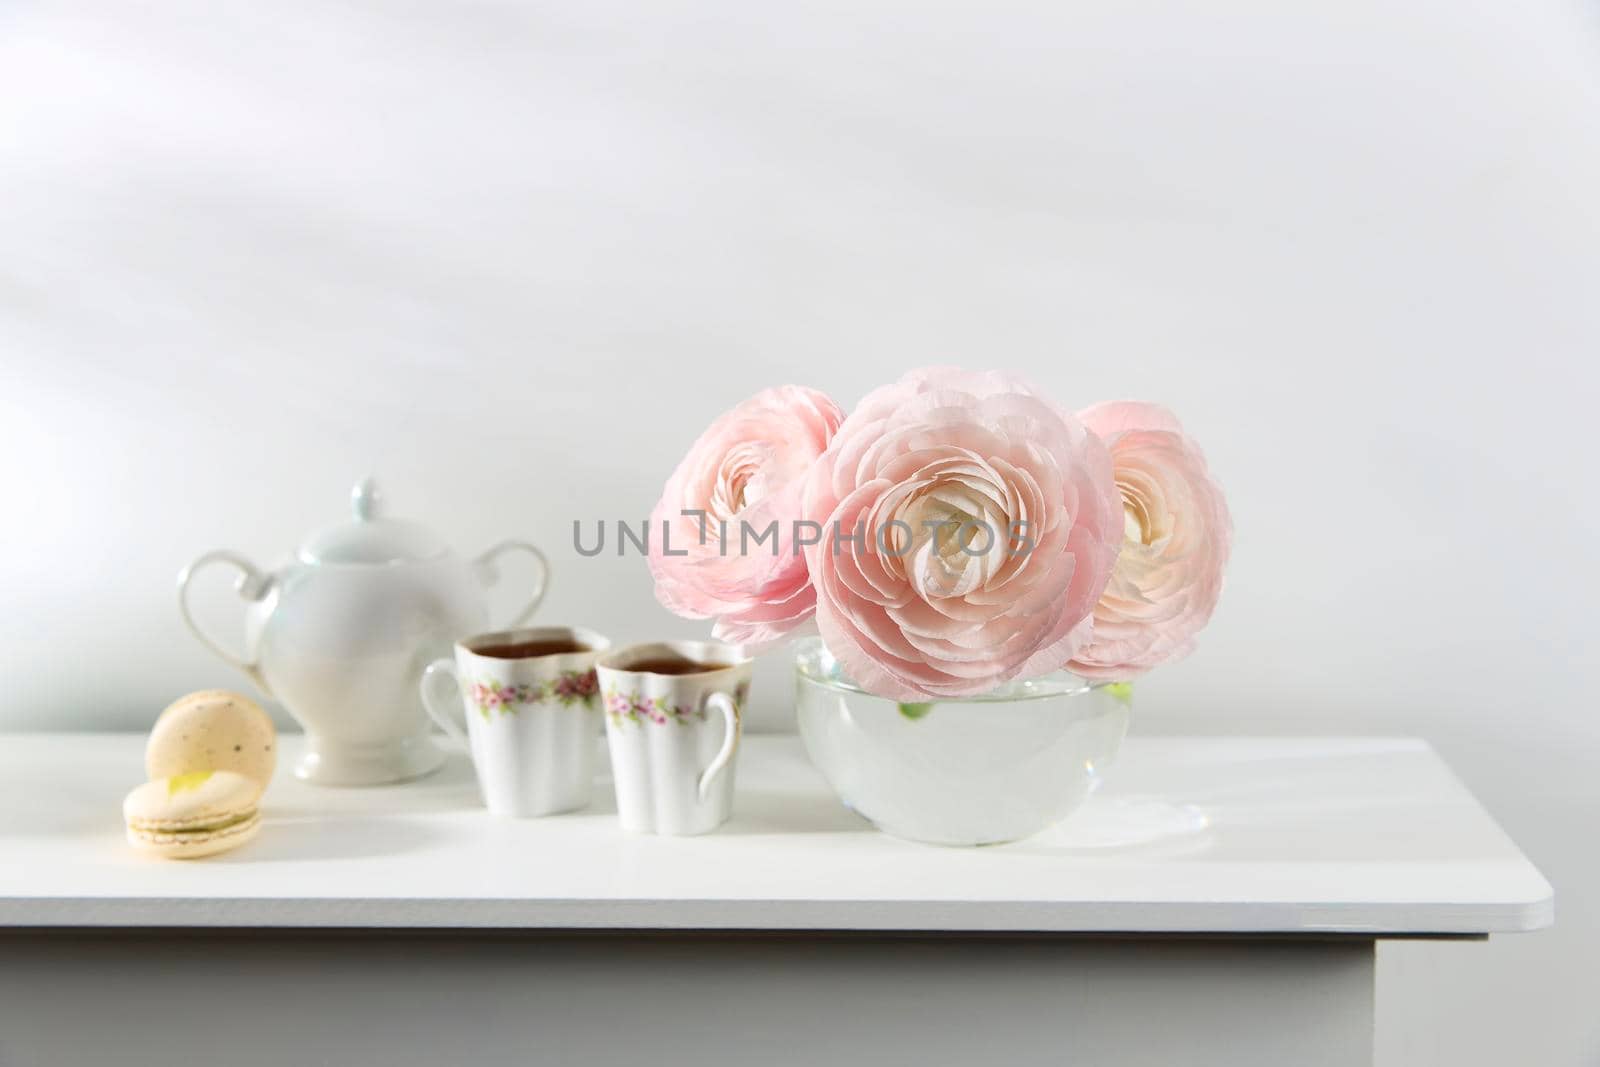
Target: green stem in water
915,711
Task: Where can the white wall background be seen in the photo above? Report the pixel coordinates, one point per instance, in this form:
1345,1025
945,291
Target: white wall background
512,256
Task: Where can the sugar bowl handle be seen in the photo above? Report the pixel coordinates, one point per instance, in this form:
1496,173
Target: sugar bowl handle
251,584
488,574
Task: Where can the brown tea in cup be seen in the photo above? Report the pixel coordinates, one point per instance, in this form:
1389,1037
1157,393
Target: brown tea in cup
672,666
530,649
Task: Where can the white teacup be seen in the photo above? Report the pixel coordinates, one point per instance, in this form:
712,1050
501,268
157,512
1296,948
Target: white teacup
532,707
673,722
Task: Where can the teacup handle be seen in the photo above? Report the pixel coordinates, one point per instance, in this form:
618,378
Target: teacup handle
251,585
730,741
488,573
445,718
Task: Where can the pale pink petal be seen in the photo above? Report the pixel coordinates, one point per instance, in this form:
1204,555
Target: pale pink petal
961,610
1168,576
746,473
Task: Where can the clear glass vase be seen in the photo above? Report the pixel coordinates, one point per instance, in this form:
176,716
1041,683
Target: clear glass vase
971,771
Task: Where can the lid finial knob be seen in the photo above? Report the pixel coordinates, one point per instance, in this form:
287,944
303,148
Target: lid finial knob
367,500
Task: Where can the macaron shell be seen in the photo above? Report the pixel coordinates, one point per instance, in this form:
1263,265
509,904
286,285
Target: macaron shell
192,815
191,799
192,846
188,801
213,730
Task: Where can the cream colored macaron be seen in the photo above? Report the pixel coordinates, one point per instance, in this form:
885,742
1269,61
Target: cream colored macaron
192,815
212,730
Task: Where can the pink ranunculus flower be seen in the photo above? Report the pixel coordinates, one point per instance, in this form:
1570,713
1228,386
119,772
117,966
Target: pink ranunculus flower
1177,534
925,605
744,475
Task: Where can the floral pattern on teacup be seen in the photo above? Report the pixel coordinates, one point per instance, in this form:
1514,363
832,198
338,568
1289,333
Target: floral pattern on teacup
567,688
630,707
633,708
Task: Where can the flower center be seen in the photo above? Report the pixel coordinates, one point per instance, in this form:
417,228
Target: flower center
956,534
1136,525
739,483
941,522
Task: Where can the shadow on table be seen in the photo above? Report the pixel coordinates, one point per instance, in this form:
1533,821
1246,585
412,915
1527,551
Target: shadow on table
292,840
764,812
1134,827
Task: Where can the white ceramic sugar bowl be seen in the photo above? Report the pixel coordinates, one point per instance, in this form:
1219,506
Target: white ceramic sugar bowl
341,633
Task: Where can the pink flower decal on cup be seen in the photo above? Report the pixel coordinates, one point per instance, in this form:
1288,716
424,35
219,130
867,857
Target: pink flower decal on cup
568,688
1176,538
639,709
722,535
968,528
574,686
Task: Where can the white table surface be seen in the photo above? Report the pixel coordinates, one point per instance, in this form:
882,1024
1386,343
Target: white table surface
1288,836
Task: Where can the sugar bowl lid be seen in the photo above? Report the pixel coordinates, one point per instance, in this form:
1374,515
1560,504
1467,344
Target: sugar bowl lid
371,537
